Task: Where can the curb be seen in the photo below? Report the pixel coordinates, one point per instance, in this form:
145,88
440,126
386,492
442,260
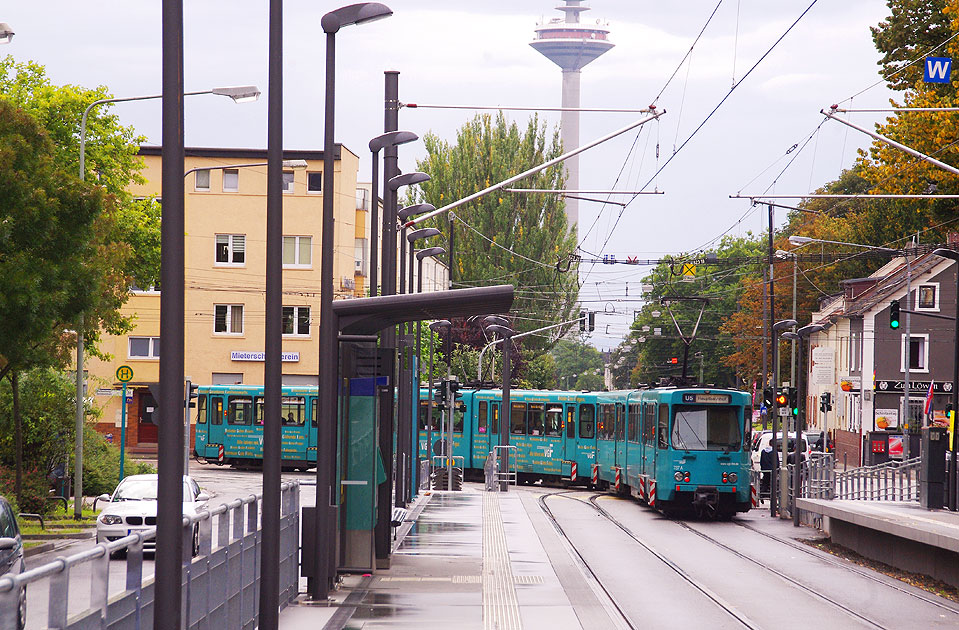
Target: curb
35,551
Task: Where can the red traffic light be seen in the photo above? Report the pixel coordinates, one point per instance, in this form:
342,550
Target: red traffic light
674,360
781,399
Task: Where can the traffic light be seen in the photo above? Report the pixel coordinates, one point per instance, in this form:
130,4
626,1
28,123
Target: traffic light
191,394
894,314
768,396
439,396
794,400
782,398
825,402
457,397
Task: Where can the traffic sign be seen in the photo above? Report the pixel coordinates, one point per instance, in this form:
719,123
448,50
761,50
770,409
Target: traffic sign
689,269
124,373
785,411
937,70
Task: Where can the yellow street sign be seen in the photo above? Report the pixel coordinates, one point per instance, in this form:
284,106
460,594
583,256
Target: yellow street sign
124,373
689,269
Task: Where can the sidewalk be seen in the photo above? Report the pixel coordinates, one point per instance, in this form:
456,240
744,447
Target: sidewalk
470,559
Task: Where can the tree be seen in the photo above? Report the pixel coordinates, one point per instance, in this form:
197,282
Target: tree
577,365
913,29
518,238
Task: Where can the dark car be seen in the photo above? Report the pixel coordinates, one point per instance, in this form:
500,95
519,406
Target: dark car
11,561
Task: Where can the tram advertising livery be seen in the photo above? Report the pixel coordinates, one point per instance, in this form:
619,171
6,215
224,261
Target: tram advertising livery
679,449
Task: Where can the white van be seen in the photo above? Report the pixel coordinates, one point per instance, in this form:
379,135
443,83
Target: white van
762,439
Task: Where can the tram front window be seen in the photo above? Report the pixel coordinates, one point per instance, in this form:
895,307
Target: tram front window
706,428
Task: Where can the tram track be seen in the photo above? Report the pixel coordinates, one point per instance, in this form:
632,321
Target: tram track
783,576
696,584
869,575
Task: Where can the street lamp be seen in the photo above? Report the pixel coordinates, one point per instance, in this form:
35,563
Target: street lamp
437,326
784,255
500,326
778,326
328,353
6,34
799,335
953,255
388,139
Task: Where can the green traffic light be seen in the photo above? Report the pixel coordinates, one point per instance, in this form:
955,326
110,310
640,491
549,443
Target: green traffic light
894,323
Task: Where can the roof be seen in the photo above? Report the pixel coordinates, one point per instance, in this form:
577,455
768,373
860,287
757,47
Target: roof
239,153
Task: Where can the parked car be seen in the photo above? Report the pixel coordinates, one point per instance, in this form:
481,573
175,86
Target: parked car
11,559
762,439
133,508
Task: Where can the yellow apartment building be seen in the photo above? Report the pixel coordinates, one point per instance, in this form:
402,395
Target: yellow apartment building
225,279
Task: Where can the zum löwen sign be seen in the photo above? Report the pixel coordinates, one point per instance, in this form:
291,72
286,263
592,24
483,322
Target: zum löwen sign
938,387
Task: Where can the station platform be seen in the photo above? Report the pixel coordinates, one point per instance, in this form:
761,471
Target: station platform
898,533
467,559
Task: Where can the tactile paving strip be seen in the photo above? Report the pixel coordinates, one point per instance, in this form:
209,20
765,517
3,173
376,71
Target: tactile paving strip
500,607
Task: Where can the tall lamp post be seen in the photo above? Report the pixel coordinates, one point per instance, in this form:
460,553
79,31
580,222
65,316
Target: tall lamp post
325,530
239,94
954,442
377,144
500,326
436,327
774,411
803,381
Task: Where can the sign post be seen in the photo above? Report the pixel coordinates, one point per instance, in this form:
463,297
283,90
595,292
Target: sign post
124,375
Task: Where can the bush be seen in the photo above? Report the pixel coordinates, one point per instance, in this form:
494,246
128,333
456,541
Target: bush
35,490
101,464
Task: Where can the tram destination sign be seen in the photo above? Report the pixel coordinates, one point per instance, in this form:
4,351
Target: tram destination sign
712,399
921,387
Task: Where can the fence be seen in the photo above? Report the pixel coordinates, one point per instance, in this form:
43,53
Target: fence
494,475
220,584
891,481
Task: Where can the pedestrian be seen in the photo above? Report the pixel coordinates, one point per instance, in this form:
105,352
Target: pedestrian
768,459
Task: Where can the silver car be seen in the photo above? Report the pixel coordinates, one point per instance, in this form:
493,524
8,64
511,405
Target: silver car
133,508
11,563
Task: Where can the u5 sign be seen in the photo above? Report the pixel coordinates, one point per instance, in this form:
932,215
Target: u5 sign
938,70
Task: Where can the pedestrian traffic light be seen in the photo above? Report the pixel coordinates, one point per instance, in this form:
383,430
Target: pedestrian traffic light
191,394
825,402
782,398
457,397
439,396
794,400
894,314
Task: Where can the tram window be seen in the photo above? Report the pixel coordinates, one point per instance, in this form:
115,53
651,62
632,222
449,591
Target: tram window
517,418
649,423
554,421
217,408
536,420
494,409
663,431
570,422
313,412
292,410
424,411
240,410
458,416
201,410
706,428
620,422
607,421
587,421
634,422
481,417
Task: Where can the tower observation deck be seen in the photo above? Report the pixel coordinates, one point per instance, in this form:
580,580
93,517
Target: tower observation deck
571,45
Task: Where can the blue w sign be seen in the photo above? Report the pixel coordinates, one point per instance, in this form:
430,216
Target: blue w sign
937,70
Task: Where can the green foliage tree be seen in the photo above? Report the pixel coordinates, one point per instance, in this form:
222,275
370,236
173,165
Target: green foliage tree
540,372
577,365
913,29
505,237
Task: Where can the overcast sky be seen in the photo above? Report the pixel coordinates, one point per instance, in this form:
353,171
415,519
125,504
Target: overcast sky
472,52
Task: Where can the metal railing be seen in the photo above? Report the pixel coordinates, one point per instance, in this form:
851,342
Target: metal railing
495,476
220,584
890,481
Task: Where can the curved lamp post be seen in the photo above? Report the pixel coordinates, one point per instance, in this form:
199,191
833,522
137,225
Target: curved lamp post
799,335
500,326
325,532
377,144
6,33
954,443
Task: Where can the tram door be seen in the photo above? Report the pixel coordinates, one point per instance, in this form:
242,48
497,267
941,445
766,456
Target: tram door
569,432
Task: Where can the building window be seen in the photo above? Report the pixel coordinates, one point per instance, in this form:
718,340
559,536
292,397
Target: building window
231,180
296,320
297,251
288,181
917,354
362,199
359,256
230,249
928,297
314,182
144,347
202,180
228,319
855,351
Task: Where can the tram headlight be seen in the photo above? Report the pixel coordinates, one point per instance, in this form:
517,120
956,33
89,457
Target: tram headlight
733,477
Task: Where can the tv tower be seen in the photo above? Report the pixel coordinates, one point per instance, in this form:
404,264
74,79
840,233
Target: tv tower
571,45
